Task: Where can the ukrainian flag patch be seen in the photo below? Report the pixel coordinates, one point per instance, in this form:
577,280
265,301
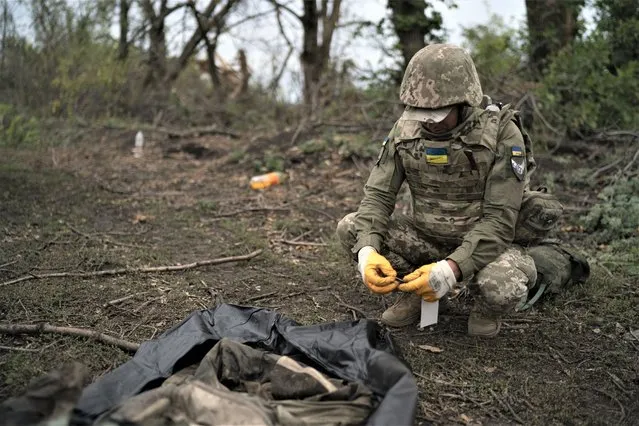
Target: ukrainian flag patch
437,155
517,152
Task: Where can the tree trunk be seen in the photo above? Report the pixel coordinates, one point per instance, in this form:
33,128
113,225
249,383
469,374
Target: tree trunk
310,52
245,75
206,21
123,44
5,24
552,25
157,42
410,33
157,51
413,27
315,55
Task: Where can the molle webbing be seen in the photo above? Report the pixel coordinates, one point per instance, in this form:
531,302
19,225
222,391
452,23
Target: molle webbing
447,198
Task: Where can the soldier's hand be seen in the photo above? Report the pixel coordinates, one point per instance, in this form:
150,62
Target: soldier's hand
431,282
377,272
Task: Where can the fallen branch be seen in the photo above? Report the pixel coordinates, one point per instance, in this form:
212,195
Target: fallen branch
197,131
252,210
107,239
347,306
17,349
260,296
69,331
122,299
300,243
605,168
146,303
507,406
613,133
546,123
175,133
286,296
8,263
629,165
131,270
322,212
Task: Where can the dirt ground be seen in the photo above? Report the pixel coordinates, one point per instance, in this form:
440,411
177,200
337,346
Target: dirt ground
91,206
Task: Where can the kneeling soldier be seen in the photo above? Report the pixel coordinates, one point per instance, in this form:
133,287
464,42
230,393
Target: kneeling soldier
474,219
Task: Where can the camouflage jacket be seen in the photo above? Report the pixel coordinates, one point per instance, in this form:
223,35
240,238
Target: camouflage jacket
466,186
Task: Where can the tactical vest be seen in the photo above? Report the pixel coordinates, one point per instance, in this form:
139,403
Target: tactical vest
447,178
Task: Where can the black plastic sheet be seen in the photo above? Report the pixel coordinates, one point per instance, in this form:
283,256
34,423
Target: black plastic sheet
354,351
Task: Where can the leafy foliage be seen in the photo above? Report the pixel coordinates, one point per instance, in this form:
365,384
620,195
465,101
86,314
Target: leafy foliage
17,129
497,51
345,145
90,79
581,94
617,214
619,20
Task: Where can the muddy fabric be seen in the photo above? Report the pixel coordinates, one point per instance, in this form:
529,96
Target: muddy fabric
466,186
498,287
238,385
48,400
357,352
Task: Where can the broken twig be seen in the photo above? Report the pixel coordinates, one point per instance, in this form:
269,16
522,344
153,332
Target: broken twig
285,296
122,299
300,243
260,296
17,349
69,331
507,406
252,210
351,307
8,263
130,270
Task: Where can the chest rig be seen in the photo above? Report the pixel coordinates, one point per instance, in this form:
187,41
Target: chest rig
447,178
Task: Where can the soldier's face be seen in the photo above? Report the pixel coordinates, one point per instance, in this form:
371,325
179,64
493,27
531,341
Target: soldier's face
447,124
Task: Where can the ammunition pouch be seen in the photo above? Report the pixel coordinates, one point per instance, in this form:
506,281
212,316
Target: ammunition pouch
538,217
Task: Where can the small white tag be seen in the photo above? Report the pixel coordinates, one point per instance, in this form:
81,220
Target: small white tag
429,313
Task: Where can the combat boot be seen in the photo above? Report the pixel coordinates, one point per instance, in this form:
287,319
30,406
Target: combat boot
405,311
481,325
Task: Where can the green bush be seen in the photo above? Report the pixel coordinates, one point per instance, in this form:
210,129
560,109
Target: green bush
270,162
17,129
346,145
497,50
580,94
90,79
617,214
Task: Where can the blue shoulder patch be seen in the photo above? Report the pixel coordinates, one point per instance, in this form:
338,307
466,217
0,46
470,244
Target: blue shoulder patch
517,151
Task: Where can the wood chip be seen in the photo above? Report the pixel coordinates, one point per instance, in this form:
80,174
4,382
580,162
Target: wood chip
429,348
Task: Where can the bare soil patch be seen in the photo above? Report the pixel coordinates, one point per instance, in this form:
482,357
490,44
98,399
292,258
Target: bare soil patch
92,206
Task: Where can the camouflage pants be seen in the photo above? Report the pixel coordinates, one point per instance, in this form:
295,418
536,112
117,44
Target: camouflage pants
497,288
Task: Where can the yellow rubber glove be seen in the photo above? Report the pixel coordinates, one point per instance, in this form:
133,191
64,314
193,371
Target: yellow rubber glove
431,282
377,272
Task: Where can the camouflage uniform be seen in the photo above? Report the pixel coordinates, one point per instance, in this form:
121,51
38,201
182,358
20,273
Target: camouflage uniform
467,187
466,198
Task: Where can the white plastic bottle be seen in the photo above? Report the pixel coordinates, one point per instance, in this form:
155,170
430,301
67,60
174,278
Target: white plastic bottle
139,144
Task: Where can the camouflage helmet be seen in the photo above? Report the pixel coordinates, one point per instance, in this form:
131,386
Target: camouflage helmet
440,75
